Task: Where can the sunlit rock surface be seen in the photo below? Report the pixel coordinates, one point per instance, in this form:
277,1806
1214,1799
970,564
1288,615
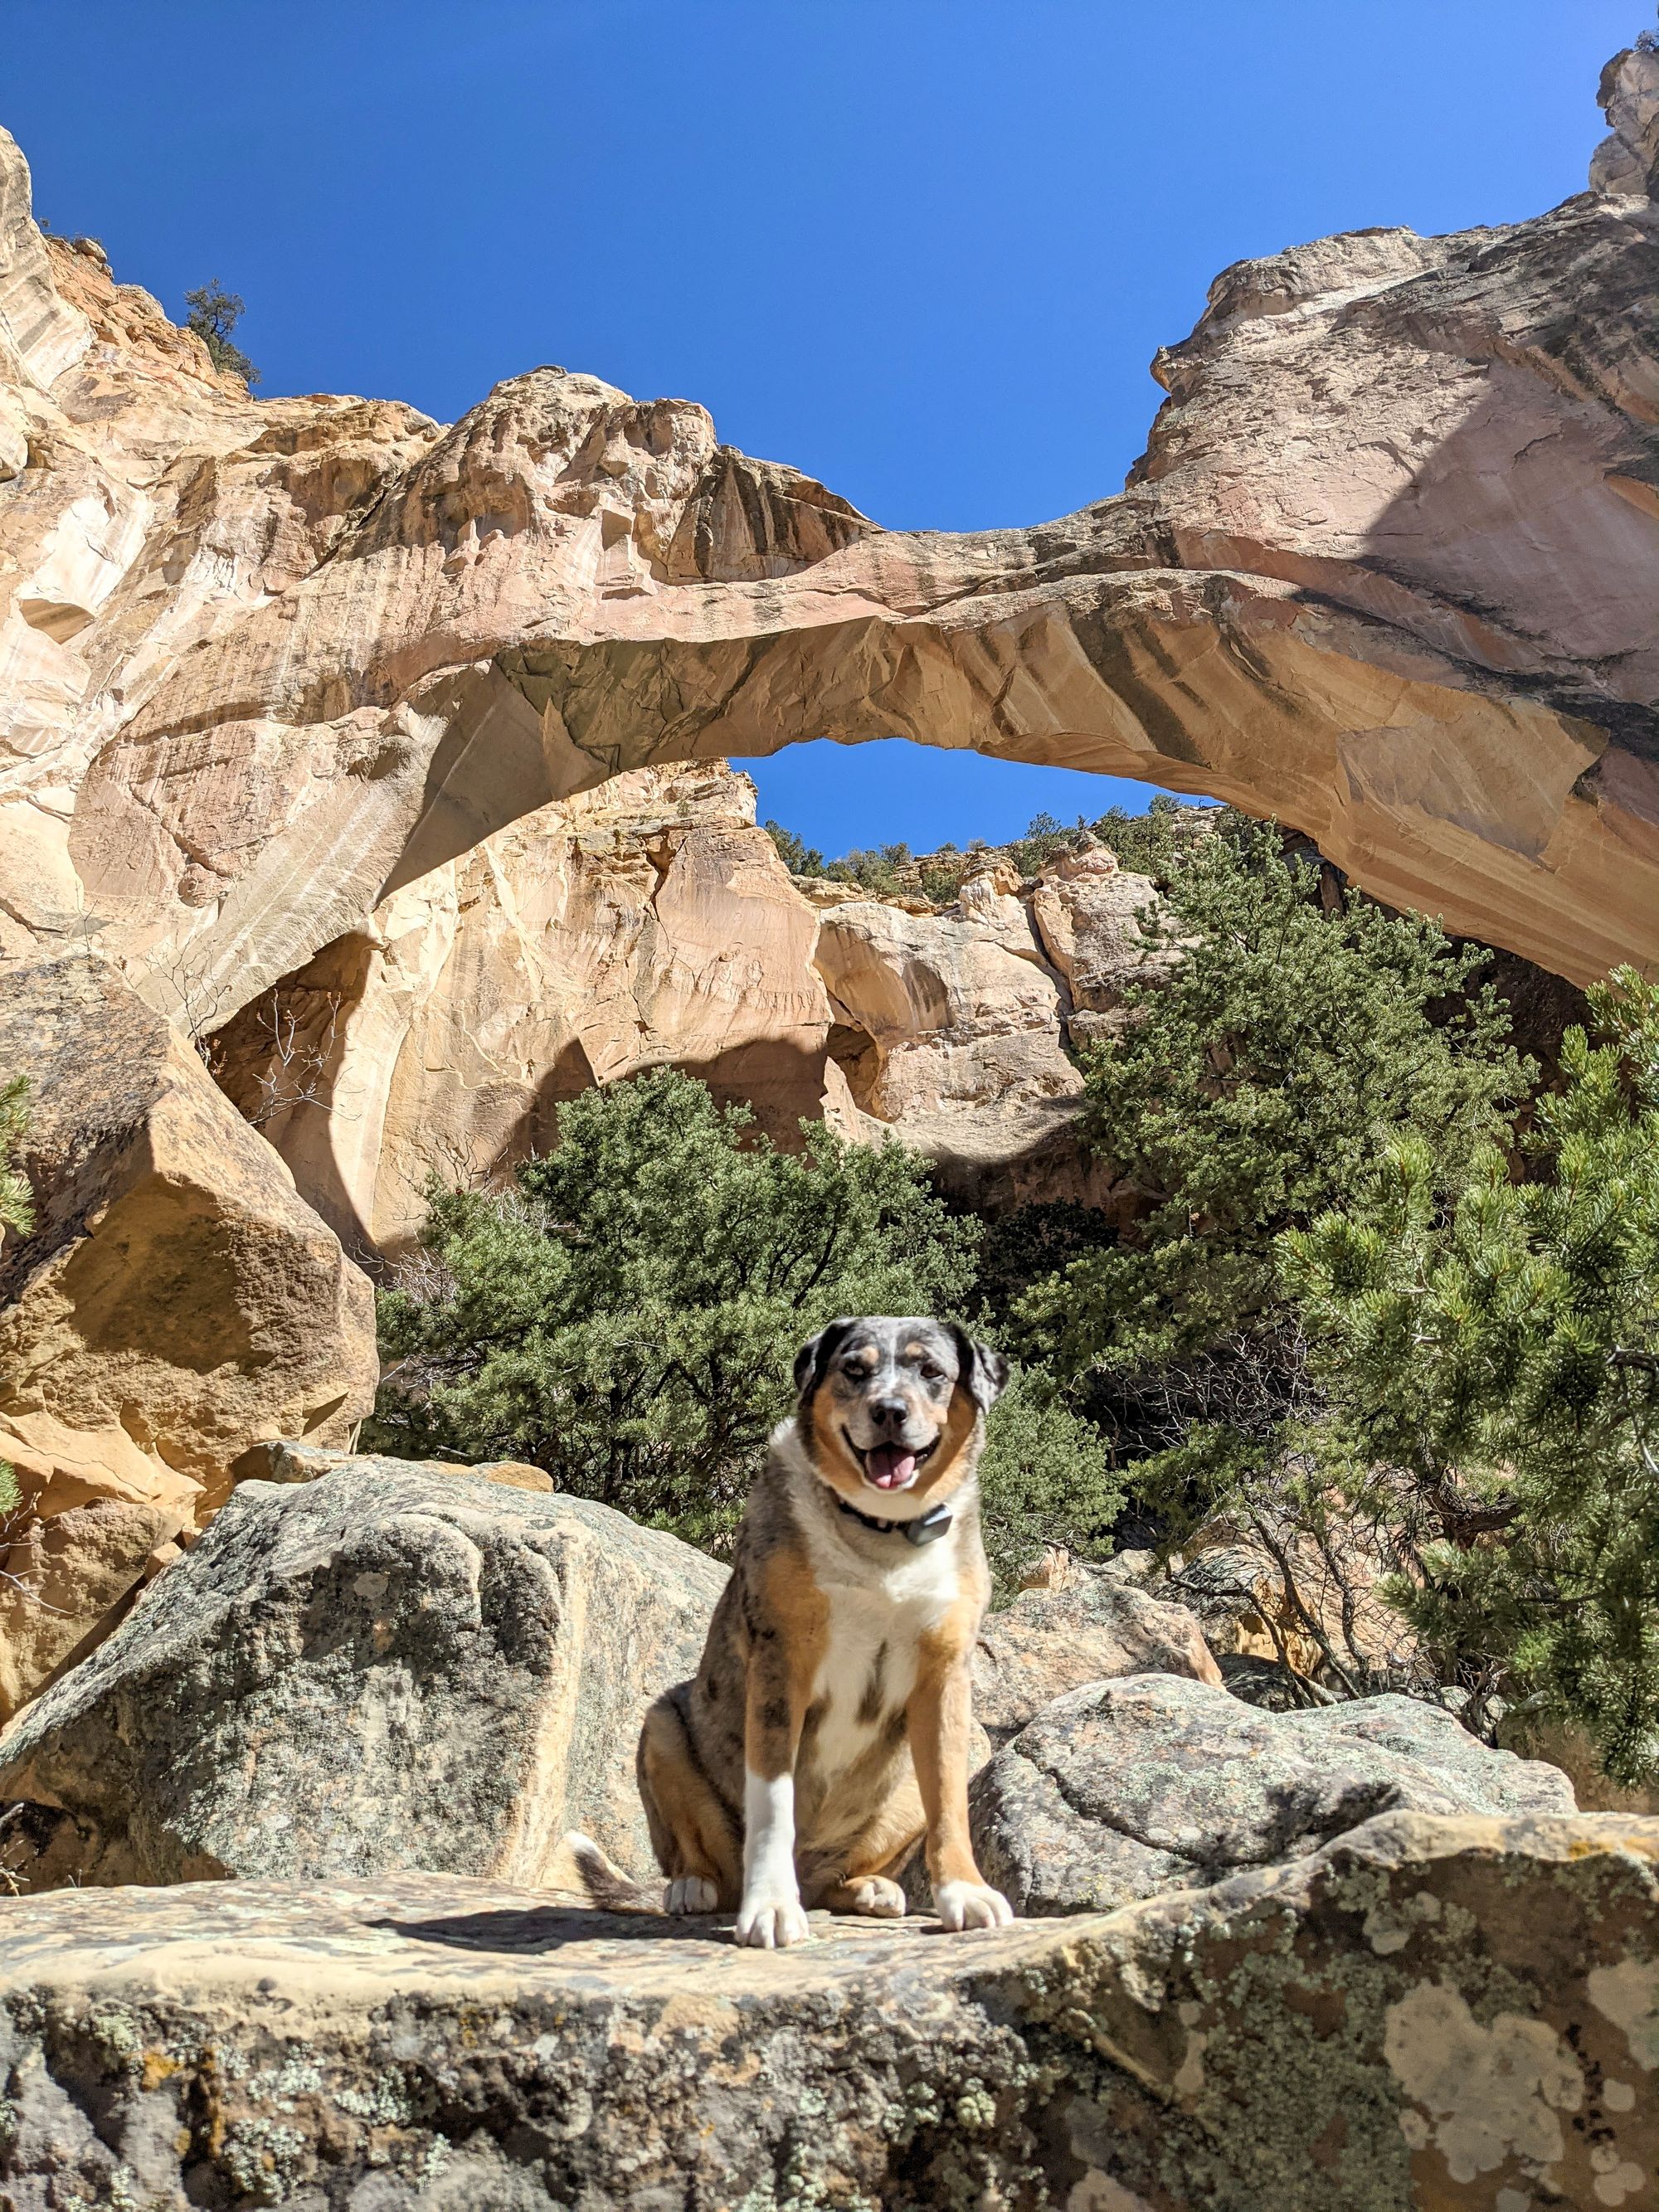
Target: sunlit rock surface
1430,2012
176,1307
385,1666
1389,569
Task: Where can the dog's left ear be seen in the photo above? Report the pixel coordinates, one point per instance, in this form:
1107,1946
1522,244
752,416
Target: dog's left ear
984,1370
812,1360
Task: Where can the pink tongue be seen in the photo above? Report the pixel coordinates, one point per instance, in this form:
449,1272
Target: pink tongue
888,1466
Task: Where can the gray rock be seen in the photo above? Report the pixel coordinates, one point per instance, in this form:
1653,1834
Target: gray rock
1128,1789
1430,2012
386,1667
1091,1628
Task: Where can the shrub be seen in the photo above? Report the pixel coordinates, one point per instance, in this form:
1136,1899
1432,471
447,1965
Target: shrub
1044,1478
214,314
941,874
1171,832
1500,1348
878,870
626,1316
800,860
16,1205
1251,1091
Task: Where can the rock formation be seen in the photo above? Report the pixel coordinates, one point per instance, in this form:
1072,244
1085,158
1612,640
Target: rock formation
1389,569
384,1665
651,921
646,921
1092,1627
1428,2012
1124,1789
176,1307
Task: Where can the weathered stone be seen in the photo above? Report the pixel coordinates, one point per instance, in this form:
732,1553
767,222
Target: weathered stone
965,1055
176,1305
1092,1627
1093,917
647,922
1431,2012
291,1462
382,1667
651,921
1126,1789
1389,569
1327,1607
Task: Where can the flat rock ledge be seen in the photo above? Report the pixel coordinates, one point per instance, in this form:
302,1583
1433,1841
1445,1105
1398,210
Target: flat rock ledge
1445,2012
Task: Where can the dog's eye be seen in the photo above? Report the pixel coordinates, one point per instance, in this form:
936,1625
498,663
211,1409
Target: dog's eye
930,1373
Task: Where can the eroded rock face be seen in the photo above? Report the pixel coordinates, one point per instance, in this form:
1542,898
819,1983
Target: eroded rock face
1123,1789
964,1044
1389,569
386,1666
647,922
176,1306
1098,924
1091,1628
651,921
1446,2012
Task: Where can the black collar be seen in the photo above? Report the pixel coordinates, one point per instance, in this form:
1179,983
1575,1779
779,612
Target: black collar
926,1528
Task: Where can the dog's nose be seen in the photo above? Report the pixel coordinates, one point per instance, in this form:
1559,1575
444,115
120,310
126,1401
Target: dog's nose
890,1411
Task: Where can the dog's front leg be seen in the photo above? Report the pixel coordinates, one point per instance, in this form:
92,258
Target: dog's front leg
940,1718
770,1915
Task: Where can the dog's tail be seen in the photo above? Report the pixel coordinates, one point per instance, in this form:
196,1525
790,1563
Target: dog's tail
579,1866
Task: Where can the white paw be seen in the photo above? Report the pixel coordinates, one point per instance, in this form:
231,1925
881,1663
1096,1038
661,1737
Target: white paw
772,1923
971,1904
875,1895
691,1892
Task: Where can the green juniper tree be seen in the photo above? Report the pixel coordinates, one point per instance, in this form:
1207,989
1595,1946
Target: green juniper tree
798,857
1252,1090
16,1208
1249,1091
1046,1477
1497,1347
16,1213
626,1316
214,314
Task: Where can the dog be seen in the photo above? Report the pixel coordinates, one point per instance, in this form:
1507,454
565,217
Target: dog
827,1730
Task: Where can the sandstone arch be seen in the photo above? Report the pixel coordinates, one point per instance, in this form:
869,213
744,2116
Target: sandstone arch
1389,569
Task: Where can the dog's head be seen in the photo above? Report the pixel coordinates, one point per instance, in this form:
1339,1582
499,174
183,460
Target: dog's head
892,1411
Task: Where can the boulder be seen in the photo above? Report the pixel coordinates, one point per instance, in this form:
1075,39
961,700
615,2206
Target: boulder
1430,2012
1091,1627
176,1306
1128,1789
957,1045
1296,1601
386,1666
1096,922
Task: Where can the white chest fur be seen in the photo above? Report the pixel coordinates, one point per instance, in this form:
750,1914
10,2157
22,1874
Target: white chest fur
878,1617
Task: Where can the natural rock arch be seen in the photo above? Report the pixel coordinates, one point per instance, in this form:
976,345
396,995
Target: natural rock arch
1389,569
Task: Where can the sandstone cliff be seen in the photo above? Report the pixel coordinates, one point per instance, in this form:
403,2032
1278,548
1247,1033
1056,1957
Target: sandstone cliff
1389,569
652,922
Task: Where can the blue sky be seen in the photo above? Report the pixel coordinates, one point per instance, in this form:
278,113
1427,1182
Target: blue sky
922,249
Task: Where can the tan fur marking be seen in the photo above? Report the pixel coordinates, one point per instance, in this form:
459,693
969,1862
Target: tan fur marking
952,1461
787,1643
690,1830
940,1718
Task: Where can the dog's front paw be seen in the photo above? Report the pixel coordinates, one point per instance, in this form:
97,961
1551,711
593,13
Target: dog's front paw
772,1923
874,1895
691,1892
971,1904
